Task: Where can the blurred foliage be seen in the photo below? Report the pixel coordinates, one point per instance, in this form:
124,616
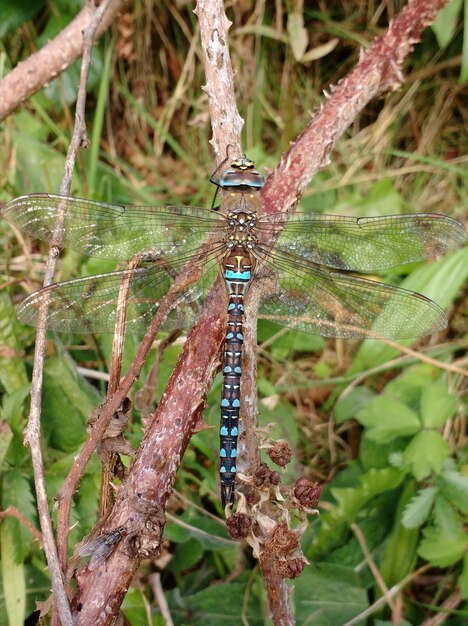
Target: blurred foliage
382,431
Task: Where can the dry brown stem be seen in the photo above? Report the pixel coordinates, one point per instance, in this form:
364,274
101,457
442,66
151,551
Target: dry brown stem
32,434
47,63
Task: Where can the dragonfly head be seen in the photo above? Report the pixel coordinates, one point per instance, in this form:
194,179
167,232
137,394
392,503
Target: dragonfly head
241,176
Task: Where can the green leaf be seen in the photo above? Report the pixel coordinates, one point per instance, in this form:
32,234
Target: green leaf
186,556
327,594
445,517
379,455
440,550
12,366
67,402
385,419
437,404
426,453
400,546
298,36
207,608
210,534
14,14
408,386
454,486
16,491
445,24
351,500
418,509
463,580
14,587
13,410
347,407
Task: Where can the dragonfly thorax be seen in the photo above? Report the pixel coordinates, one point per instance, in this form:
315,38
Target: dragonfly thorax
241,231
242,175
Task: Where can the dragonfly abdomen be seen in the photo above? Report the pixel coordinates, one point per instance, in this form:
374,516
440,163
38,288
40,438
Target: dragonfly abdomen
238,267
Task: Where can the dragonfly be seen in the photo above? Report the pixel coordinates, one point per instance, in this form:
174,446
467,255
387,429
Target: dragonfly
305,264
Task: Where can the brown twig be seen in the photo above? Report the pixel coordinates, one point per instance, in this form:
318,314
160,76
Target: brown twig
379,70
12,511
43,66
225,119
32,431
109,457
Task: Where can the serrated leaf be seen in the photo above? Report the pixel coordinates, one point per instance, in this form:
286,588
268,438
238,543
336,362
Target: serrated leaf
454,486
440,550
298,37
6,436
17,492
385,419
67,402
12,365
437,404
418,509
446,518
14,587
13,408
426,453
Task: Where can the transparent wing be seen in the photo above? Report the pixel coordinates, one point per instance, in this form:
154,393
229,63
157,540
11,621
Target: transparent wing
90,304
312,299
366,244
111,231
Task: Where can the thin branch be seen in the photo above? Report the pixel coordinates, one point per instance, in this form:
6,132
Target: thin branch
158,593
40,68
379,70
396,615
12,511
449,367
225,119
32,436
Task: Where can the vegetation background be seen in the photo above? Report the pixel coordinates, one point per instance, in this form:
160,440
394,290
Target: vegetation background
382,430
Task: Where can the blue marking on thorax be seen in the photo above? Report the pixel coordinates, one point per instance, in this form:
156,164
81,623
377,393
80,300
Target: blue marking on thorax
231,275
